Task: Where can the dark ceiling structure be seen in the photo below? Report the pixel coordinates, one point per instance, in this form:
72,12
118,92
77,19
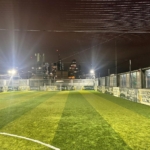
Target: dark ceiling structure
87,30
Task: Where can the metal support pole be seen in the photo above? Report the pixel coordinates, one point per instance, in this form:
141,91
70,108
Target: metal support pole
99,79
109,77
130,74
116,69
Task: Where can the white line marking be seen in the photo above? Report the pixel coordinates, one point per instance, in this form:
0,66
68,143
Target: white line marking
36,141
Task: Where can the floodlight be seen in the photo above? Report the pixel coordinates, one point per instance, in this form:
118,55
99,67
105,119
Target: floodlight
92,71
12,72
9,72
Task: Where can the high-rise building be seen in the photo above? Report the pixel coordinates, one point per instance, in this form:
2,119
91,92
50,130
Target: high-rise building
73,70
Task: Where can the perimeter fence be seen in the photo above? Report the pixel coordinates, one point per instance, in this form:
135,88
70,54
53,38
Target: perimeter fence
47,85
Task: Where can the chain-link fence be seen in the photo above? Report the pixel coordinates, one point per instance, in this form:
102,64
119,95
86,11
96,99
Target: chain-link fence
49,85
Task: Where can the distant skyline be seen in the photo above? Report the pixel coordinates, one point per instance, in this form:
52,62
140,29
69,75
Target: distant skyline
101,57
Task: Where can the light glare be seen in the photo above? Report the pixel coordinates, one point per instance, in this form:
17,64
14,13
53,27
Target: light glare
92,71
12,72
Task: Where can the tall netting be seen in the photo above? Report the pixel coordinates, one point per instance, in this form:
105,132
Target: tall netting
46,85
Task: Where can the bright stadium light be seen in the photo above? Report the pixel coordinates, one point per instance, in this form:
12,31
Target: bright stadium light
92,71
92,74
12,72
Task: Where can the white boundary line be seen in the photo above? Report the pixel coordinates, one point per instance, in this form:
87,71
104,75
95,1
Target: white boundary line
29,139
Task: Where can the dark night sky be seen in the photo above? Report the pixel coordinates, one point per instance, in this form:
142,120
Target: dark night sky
88,31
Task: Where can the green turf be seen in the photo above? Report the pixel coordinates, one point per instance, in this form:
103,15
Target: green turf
131,126
85,120
133,106
39,123
12,112
82,128
13,98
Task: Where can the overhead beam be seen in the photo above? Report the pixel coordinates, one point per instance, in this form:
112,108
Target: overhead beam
78,31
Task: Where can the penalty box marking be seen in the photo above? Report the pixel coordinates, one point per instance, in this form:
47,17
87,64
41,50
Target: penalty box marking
29,139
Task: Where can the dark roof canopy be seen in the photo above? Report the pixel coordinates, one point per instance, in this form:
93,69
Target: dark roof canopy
75,27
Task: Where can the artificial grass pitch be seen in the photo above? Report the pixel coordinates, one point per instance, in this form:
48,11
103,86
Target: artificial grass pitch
84,120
